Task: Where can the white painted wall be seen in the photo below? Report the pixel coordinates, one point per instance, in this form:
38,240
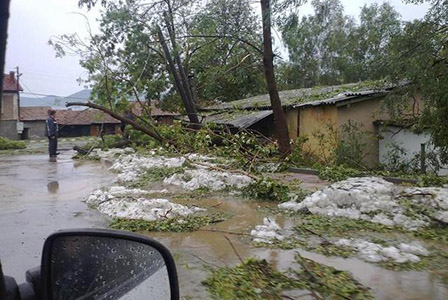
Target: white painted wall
411,142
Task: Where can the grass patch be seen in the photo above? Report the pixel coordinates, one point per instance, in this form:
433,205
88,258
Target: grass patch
253,279
310,224
324,248
177,224
330,282
197,194
157,174
435,232
406,266
267,189
258,279
336,173
7,144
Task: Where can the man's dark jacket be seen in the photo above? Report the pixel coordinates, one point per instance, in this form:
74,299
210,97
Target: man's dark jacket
51,127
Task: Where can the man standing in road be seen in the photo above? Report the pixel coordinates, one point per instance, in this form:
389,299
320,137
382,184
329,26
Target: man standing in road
51,131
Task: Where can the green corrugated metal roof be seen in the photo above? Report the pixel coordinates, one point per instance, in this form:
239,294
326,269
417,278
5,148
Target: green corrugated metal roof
238,119
290,98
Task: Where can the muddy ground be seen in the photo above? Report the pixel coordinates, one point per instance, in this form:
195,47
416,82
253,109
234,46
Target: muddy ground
39,197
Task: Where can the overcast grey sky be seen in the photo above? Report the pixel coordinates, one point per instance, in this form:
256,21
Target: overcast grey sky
32,23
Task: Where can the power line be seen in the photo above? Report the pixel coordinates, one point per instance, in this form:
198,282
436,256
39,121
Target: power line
35,96
47,95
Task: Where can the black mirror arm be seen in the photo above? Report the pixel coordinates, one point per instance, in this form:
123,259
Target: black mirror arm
2,283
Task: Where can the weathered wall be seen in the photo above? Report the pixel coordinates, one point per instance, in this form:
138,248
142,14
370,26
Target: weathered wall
9,109
95,129
74,130
364,113
407,140
36,129
318,121
8,129
292,119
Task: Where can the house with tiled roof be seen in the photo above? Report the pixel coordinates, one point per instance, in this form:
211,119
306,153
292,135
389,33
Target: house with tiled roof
86,122
71,122
10,125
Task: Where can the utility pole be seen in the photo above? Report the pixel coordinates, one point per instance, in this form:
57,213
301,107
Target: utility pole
4,16
18,91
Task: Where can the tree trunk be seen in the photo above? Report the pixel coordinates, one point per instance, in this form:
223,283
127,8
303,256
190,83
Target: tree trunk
180,67
189,107
281,126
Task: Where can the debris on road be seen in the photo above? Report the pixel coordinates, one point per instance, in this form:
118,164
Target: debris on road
372,252
120,202
267,233
376,200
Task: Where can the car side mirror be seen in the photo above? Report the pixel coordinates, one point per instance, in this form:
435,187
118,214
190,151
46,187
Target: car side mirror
106,264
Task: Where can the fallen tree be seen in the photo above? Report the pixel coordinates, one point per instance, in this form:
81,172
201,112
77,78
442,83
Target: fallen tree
149,131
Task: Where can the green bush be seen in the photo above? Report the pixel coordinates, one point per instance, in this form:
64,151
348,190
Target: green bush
7,144
267,189
336,173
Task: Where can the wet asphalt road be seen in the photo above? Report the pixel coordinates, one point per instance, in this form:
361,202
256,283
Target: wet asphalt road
37,198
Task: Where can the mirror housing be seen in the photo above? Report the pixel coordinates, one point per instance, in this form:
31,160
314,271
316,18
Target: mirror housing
73,259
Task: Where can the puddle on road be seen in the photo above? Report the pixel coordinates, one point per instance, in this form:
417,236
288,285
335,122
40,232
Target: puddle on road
194,249
38,198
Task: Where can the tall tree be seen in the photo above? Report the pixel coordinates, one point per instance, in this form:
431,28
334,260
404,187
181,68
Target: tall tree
317,44
378,24
330,48
268,62
227,67
419,56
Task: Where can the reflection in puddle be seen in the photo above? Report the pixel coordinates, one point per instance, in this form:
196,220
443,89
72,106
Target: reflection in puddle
53,187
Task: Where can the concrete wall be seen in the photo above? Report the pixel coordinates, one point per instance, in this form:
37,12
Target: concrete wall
292,119
405,139
364,113
9,109
8,129
95,130
34,129
318,120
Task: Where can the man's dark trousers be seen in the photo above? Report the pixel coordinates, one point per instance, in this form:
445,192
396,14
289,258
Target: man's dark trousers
52,146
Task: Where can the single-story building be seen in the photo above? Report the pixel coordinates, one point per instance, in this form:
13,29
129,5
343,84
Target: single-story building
87,122
321,114
33,119
10,125
71,122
